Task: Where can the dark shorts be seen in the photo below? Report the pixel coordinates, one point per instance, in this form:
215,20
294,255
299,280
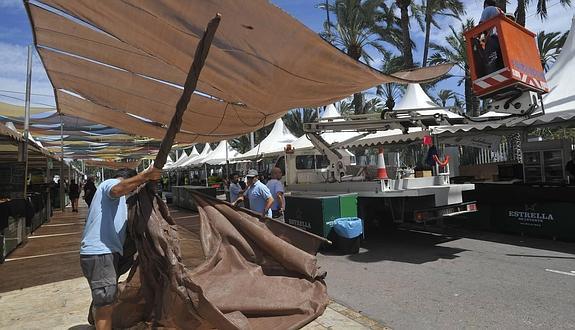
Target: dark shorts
102,273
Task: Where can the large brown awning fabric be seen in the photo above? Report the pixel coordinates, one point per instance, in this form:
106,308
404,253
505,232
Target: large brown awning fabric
241,251
132,57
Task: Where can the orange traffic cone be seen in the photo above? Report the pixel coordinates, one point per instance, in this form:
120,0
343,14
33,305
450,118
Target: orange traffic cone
381,170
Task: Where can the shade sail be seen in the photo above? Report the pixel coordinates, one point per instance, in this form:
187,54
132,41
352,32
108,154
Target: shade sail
132,57
111,164
12,110
272,144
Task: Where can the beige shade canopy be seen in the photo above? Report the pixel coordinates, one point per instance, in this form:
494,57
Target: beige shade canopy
129,59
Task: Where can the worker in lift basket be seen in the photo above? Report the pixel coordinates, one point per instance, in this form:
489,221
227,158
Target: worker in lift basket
259,196
103,239
488,52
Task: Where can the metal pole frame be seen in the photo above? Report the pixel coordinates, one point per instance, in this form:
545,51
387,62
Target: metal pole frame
27,118
62,192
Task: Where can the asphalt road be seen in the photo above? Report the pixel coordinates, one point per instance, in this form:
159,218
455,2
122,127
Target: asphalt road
412,280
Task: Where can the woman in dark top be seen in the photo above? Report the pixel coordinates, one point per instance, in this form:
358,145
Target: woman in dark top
89,191
74,193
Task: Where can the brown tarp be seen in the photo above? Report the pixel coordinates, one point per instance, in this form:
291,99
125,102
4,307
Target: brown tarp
241,251
133,57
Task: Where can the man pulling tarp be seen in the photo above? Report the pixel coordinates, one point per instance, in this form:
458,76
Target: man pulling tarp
256,274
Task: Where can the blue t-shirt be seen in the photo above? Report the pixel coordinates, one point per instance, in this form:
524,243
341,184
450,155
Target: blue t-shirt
234,191
275,186
258,194
105,230
488,13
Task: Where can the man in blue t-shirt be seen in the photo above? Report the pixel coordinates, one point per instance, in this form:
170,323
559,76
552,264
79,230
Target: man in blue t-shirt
259,196
104,236
276,188
235,188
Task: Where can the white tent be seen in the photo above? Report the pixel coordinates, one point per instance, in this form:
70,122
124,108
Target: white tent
562,94
183,156
199,160
169,162
273,144
218,156
193,155
416,98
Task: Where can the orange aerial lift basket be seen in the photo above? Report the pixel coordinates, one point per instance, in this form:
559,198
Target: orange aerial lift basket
503,55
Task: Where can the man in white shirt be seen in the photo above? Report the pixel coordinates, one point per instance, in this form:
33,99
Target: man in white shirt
276,188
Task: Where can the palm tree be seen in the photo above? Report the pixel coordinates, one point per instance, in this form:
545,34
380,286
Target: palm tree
241,144
433,9
403,6
444,96
295,119
454,52
356,29
521,10
390,91
373,105
549,45
344,107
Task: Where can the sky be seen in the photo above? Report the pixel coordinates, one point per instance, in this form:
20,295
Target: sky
16,35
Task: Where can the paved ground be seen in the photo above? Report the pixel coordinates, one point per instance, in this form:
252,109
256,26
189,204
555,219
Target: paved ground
411,280
41,283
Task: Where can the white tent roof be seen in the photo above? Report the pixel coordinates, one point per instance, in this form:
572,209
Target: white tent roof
178,162
562,94
218,156
273,144
169,162
330,112
416,98
200,158
193,155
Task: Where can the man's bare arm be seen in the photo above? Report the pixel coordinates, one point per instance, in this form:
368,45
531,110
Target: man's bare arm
126,186
281,200
269,203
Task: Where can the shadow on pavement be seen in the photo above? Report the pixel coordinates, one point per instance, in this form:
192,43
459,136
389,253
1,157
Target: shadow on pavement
404,246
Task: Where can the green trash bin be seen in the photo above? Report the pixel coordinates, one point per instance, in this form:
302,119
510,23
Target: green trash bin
348,205
312,212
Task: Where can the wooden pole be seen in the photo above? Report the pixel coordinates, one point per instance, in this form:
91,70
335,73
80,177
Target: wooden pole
189,87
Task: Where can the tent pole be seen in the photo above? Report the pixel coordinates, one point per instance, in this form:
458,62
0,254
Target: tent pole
62,195
227,162
206,169
27,118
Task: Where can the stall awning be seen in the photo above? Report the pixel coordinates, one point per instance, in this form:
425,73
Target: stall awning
129,59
